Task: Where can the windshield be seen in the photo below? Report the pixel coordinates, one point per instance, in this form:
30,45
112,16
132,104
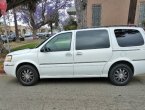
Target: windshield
44,41
41,43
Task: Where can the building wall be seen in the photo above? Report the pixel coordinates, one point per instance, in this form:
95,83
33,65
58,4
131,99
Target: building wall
137,22
114,12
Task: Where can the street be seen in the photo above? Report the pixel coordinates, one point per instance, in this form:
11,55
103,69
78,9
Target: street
72,94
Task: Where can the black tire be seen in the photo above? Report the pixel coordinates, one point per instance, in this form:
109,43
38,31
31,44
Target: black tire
120,74
27,75
5,41
14,39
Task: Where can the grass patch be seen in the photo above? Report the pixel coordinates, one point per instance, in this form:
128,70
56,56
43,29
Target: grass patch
3,55
1,63
26,46
1,67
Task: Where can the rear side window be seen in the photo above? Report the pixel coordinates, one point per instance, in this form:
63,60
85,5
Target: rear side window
129,37
92,39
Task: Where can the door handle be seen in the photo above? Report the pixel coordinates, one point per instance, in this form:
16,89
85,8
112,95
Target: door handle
79,53
68,54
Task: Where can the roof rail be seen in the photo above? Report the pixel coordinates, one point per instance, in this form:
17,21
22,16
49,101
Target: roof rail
130,25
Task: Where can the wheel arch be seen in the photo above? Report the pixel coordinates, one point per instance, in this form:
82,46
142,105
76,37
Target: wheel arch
122,62
26,63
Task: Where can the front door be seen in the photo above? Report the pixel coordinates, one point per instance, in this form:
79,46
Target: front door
58,62
92,52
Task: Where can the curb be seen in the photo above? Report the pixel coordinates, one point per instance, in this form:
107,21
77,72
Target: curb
1,73
1,70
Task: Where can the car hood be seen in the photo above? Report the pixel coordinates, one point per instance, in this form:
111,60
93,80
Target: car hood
21,52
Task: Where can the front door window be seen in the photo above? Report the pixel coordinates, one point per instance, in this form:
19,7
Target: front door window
61,42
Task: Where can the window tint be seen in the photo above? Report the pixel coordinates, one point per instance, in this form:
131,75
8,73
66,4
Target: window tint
61,42
92,39
129,37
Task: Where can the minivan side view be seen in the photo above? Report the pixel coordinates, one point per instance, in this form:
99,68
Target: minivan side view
114,52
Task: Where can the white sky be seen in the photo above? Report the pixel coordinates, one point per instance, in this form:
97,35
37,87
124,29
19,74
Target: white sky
11,21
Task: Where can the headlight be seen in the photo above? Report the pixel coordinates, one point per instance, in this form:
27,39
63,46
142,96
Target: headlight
8,58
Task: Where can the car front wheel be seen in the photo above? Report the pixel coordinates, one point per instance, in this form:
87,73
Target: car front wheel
27,75
120,74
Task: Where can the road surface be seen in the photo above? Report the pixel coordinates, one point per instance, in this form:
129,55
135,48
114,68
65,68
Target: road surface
72,94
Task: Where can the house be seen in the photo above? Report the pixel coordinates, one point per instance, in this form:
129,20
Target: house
113,12
107,12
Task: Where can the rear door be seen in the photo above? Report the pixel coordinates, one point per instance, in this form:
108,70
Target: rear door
92,52
131,45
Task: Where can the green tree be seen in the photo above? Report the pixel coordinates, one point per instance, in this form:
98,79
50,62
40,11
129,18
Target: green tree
71,24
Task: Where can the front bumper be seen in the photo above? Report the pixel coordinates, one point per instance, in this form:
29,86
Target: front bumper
9,69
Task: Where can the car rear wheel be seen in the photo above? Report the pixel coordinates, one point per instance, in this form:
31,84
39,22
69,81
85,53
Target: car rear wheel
27,75
120,74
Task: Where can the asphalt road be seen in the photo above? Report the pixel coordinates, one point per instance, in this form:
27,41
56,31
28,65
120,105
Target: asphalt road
72,94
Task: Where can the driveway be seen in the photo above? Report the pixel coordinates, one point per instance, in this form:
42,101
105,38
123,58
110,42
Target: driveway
72,94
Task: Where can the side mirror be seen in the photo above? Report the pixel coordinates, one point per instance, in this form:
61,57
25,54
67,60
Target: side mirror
45,49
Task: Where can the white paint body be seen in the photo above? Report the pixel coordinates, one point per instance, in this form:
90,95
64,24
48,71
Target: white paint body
82,63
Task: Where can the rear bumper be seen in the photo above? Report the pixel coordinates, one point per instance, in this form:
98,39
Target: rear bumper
139,67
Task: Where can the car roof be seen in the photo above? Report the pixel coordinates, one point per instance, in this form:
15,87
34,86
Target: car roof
106,27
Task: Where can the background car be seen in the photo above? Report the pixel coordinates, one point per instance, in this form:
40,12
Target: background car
43,35
10,38
29,36
4,38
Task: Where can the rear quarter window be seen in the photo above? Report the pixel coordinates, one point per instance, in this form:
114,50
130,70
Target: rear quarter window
129,37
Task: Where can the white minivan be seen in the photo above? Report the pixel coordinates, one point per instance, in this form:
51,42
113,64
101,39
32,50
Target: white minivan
114,52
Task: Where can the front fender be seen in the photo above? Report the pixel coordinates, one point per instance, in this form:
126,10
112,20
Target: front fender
26,62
